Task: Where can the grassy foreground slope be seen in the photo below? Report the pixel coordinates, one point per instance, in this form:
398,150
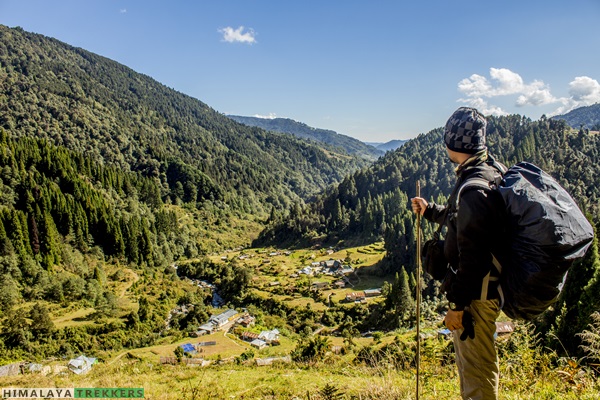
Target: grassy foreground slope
524,376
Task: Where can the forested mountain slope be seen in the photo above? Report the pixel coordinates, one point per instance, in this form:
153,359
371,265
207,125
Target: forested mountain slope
299,129
587,117
115,116
102,168
374,202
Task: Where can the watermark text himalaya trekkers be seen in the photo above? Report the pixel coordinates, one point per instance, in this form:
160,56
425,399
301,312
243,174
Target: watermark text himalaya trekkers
73,393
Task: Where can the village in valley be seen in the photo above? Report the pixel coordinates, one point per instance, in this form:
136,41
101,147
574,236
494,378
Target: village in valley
315,279
319,276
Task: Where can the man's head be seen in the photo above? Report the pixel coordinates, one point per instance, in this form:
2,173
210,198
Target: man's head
465,131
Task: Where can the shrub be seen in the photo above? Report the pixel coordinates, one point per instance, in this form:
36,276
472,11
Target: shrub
311,350
591,339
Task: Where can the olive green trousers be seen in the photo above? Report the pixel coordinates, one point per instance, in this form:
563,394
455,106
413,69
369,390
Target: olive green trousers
477,359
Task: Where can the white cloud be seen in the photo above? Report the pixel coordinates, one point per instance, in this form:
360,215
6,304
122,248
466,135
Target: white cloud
483,106
475,86
238,35
123,11
508,82
270,116
585,90
536,94
504,82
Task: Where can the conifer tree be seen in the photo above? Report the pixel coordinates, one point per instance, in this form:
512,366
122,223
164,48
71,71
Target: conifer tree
41,323
399,300
406,304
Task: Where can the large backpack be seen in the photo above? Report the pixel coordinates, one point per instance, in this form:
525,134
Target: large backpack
548,232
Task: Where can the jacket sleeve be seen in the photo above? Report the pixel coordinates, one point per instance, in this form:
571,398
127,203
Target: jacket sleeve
476,227
435,213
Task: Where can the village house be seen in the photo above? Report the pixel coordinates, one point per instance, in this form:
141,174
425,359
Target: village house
372,292
339,284
356,297
259,344
331,264
216,322
319,285
81,364
246,320
270,337
344,270
249,336
223,318
205,329
183,309
306,271
188,348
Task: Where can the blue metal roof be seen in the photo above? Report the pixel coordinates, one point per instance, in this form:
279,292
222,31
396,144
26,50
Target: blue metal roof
188,347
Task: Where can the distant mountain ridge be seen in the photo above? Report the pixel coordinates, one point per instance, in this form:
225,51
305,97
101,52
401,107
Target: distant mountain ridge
588,117
388,146
301,130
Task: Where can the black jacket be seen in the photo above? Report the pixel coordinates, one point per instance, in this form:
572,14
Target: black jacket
474,232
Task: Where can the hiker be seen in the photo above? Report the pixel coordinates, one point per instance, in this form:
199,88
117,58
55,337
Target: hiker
475,229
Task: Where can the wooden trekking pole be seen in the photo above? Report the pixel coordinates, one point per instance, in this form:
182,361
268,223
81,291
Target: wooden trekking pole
418,289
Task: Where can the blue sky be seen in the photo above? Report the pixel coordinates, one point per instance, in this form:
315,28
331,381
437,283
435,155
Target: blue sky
375,70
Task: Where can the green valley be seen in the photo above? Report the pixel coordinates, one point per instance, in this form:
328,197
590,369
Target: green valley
135,220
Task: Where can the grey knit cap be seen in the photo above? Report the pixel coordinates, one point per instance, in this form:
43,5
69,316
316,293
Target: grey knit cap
465,131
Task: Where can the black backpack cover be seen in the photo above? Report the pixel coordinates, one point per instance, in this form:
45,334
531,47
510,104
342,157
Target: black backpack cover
548,232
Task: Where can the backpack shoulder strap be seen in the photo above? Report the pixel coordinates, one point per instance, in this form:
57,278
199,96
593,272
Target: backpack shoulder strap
470,183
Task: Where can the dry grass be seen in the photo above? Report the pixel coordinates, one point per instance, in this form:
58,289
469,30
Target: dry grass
74,318
231,381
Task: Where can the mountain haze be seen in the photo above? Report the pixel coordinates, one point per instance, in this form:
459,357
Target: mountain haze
299,129
388,146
